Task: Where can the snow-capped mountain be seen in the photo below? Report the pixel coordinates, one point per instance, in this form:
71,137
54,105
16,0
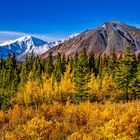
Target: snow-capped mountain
71,36
55,43
24,46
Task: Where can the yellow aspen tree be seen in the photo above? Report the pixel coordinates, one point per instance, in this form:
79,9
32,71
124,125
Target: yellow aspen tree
67,86
30,94
94,86
108,87
48,88
56,89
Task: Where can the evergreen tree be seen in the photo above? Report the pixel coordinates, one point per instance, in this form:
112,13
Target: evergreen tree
73,62
63,64
15,82
81,77
23,75
113,61
39,69
126,74
13,61
8,62
105,60
2,63
138,58
76,59
92,63
100,65
97,65
135,83
57,68
50,66
105,65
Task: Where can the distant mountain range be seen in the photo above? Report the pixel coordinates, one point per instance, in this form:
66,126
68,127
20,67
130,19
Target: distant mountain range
26,45
23,46
104,39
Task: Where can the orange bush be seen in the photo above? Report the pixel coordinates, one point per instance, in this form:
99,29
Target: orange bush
85,121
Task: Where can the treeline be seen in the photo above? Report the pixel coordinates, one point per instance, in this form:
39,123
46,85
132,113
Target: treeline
80,78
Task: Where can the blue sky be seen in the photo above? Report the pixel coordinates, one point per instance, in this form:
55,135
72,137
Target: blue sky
56,19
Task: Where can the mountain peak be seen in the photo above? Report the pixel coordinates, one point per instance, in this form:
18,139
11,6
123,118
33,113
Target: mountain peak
113,23
30,37
116,22
24,46
113,35
26,37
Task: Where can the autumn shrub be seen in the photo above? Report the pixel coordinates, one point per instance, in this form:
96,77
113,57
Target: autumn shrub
84,121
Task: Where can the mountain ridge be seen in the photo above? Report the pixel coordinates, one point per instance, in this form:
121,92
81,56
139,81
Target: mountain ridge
23,45
113,35
109,36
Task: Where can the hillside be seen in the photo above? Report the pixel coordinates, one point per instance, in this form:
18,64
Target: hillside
104,39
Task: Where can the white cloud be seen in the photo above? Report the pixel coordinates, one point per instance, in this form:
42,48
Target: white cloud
47,37
10,35
7,35
136,25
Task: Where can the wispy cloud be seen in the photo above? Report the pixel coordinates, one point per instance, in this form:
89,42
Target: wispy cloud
10,35
136,25
48,37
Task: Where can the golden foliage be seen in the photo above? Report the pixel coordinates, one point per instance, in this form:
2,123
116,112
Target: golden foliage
85,121
34,93
30,94
102,89
42,111
67,85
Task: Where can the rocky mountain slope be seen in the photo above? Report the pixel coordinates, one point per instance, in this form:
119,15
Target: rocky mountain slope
104,39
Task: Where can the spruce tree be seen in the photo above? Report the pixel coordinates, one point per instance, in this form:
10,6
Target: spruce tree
97,65
15,82
126,74
92,63
105,65
13,61
138,58
135,83
63,64
81,77
23,75
113,61
73,62
57,68
8,62
49,65
100,65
